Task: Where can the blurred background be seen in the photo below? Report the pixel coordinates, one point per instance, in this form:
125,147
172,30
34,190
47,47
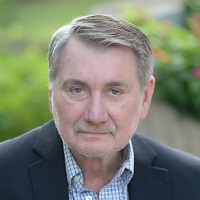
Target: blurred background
173,27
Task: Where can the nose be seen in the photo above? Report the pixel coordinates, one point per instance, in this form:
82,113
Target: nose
96,112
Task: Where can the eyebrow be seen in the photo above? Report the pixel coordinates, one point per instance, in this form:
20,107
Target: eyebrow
117,84
70,81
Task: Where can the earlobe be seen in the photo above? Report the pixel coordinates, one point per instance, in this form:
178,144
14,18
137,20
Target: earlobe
147,96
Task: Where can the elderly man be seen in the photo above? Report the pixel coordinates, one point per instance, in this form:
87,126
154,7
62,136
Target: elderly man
100,87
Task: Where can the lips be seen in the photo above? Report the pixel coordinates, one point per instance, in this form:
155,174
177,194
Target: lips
94,133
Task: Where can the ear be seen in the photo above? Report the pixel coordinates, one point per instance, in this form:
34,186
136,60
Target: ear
50,100
147,96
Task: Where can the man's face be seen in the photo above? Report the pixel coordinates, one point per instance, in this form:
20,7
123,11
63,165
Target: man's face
96,98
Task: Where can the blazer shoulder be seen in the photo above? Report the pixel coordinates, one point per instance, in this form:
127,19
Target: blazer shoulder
169,156
183,168
19,155
19,145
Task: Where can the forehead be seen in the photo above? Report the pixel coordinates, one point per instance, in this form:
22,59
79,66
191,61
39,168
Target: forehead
101,46
81,61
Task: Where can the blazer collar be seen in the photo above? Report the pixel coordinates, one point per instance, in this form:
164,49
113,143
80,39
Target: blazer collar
48,140
149,182
48,174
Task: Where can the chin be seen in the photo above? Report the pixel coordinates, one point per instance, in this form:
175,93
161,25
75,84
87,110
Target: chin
91,152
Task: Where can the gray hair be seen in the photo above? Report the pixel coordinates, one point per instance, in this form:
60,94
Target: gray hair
103,31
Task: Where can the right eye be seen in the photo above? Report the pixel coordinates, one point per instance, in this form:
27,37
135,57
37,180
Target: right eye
76,90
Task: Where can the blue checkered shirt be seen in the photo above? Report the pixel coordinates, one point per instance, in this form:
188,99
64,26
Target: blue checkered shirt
117,189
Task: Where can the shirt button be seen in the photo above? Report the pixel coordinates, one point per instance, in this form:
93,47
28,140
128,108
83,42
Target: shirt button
76,178
88,198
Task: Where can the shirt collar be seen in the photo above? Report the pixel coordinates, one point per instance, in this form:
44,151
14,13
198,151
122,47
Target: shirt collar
126,171
72,169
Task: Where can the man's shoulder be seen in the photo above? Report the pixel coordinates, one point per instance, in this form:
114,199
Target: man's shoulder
166,156
176,170
17,146
20,156
20,146
183,169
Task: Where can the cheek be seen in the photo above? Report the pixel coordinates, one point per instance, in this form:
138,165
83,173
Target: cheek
68,112
126,117
128,110
65,116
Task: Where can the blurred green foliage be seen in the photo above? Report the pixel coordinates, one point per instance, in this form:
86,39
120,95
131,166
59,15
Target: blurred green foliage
25,30
23,88
177,67
39,19
192,6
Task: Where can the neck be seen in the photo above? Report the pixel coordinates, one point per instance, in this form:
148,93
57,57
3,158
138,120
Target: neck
98,172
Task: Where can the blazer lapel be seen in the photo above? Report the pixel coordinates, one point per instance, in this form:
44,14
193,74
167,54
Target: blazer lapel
48,175
149,182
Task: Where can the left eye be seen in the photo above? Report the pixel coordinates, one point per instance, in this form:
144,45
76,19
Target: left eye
115,92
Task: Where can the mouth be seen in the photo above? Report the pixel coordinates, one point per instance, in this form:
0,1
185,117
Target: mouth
94,133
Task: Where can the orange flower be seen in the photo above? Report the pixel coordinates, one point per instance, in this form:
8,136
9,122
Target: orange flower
195,24
162,55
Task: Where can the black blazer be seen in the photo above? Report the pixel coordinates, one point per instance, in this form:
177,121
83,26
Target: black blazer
32,168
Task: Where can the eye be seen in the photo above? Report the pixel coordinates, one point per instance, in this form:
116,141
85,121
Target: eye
76,90
115,92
